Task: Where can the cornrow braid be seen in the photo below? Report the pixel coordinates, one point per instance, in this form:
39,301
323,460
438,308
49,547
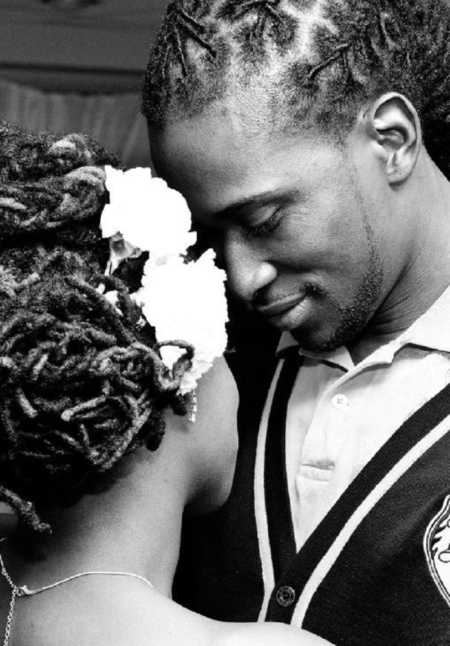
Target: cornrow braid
269,21
82,382
172,75
318,61
180,27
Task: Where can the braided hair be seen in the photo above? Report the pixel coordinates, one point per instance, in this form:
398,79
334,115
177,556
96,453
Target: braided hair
318,61
81,379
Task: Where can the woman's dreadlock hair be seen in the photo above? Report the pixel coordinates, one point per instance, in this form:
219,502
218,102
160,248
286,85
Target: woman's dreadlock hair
318,61
81,379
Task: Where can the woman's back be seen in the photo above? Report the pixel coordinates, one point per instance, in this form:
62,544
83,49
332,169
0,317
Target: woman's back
122,612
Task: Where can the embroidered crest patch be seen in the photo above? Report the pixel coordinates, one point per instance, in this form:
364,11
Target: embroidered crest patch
437,549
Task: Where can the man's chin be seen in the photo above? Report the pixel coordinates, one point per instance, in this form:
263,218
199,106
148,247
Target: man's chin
317,341
316,345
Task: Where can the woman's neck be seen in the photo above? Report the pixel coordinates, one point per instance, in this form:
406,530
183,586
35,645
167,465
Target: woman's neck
133,527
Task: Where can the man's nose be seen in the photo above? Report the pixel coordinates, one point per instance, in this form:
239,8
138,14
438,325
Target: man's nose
247,269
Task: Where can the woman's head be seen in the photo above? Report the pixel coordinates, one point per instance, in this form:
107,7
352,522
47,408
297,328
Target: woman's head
81,380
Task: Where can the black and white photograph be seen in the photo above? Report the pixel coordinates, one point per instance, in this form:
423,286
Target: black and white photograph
224,322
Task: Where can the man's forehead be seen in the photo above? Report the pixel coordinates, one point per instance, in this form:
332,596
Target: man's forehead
211,134
206,162
218,169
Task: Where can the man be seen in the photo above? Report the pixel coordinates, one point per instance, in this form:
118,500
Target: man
311,138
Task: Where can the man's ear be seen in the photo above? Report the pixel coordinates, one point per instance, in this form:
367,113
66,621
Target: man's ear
393,124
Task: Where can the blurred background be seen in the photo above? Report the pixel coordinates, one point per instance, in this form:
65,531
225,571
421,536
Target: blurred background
77,65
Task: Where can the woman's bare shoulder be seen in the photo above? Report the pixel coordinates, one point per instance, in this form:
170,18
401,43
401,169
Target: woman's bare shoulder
268,634
129,615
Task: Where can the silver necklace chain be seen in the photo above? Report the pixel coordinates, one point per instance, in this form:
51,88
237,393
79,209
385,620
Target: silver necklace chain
24,591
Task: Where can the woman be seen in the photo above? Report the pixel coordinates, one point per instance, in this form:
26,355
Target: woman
84,403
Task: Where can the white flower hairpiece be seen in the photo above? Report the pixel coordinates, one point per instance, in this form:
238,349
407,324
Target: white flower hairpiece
148,214
181,300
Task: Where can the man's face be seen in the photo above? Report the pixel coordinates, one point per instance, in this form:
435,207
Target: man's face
297,221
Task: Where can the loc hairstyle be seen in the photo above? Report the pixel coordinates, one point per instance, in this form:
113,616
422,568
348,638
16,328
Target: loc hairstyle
81,379
317,61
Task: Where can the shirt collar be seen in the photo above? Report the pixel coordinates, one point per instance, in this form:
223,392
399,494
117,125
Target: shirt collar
431,330
339,357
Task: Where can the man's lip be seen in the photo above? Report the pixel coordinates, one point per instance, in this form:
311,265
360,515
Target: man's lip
275,308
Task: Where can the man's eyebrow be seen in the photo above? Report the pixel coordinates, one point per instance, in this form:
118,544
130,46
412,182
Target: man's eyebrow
257,200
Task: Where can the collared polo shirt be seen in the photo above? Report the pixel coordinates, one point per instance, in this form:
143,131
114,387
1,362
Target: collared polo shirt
340,414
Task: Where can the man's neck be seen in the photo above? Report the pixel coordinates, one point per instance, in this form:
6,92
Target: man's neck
397,321
426,273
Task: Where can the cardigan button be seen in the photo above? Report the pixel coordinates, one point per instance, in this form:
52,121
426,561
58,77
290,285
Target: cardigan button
285,596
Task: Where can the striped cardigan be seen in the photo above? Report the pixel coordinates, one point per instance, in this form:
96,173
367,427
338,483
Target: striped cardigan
377,568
